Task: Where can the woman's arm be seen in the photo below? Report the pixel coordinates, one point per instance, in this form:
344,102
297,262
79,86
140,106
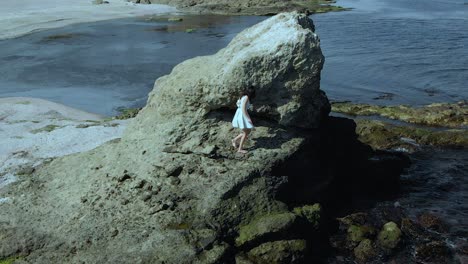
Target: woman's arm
244,109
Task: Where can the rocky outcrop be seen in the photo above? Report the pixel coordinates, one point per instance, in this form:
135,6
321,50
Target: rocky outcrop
171,187
399,240
453,115
173,190
247,7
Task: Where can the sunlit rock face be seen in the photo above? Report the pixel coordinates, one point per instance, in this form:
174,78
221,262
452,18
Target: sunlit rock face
173,189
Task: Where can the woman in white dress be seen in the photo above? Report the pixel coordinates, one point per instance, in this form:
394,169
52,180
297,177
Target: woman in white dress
242,119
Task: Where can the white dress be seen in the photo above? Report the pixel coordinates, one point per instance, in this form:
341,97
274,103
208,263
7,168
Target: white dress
240,120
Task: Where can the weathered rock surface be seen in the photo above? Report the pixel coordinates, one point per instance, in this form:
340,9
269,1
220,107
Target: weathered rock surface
248,7
171,190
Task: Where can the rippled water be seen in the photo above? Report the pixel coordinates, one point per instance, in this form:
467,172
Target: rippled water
413,52
109,64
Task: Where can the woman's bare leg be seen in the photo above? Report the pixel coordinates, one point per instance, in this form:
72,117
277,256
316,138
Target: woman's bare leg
245,134
234,141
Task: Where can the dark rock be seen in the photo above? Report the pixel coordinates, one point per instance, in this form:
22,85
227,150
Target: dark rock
434,251
433,222
365,251
284,251
265,226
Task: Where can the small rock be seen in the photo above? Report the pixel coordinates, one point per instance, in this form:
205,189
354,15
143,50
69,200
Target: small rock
25,170
140,184
174,170
352,219
124,177
434,251
272,223
146,196
433,222
114,233
356,234
174,180
365,251
175,19
310,212
283,251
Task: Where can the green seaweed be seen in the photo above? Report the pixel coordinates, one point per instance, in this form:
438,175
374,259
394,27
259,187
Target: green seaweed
60,36
10,260
23,102
127,113
48,128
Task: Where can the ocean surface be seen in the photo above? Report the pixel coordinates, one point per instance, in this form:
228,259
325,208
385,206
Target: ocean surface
382,52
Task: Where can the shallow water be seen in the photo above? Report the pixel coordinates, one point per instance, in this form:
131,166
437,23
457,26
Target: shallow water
109,64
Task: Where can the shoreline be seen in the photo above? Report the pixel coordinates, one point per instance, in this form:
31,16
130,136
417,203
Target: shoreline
34,131
32,17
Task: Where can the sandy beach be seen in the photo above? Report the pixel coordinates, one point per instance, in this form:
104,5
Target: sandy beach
21,17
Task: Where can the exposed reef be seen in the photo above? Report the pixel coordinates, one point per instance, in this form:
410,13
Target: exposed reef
453,115
247,7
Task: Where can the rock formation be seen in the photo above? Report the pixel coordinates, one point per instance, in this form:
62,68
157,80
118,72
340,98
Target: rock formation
248,7
172,189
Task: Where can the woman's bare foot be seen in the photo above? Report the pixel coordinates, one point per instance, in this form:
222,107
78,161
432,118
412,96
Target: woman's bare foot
242,151
233,143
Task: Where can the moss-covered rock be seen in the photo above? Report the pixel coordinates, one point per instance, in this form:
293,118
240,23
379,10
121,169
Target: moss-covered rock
10,260
365,251
266,225
358,233
310,212
352,219
284,251
248,7
127,113
389,236
453,115
48,128
382,135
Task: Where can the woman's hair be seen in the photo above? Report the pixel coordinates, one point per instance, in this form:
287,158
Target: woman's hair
250,92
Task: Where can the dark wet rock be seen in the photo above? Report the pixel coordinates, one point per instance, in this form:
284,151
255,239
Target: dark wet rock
365,251
359,218
216,254
410,229
277,252
433,222
434,251
270,225
310,212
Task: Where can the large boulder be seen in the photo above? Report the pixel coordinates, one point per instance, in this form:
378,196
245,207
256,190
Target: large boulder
172,190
